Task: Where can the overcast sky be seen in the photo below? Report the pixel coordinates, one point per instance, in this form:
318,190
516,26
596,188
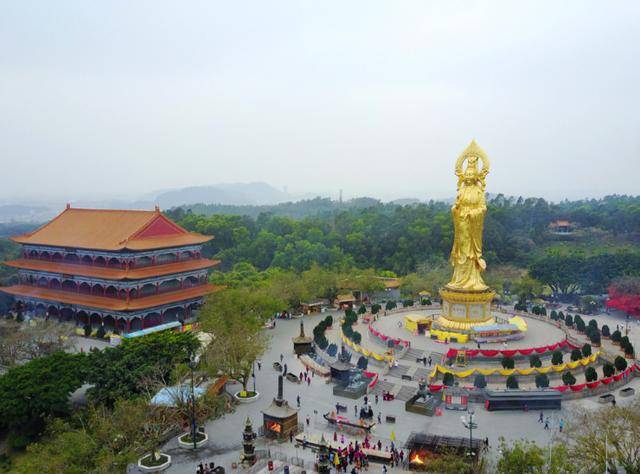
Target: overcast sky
378,98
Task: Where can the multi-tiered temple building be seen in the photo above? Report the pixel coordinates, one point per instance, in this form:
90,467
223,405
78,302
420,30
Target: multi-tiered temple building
122,269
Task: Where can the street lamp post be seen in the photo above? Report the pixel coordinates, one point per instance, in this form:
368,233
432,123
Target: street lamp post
469,423
254,375
626,331
192,364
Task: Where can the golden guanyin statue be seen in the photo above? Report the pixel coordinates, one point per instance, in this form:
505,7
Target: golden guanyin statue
468,221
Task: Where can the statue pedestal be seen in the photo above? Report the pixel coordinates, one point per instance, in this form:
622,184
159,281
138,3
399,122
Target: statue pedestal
463,309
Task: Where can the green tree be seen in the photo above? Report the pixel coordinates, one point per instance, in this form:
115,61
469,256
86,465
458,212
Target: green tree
586,435
586,350
40,388
526,457
527,288
556,358
235,318
362,309
126,370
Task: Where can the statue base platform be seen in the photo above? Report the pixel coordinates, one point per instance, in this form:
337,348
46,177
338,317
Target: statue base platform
467,306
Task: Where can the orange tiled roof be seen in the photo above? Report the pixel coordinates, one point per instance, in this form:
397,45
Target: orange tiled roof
112,273
110,304
104,229
561,224
390,282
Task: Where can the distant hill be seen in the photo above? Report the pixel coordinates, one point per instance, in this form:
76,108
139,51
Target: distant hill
405,201
24,213
243,194
316,207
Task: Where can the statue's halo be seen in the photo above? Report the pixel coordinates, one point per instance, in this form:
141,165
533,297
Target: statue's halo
473,150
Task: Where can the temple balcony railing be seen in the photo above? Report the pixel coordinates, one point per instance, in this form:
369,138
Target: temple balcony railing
112,259
122,290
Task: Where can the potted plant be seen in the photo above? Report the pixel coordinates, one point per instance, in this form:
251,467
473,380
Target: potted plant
615,337
447,379
605,331
154,462
620,363
586,350
576,354
508,362
160,420
542,381
594,337
480,381
246,396
512,382
568,378
534,361
590,374
556,358
628,351
608,369
185,440
328,322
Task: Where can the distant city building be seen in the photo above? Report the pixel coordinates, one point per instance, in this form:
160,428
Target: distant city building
122,269
561,227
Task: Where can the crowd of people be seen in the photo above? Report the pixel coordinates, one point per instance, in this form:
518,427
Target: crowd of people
353,455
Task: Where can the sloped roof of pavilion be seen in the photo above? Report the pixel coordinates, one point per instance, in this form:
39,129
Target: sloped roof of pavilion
111,230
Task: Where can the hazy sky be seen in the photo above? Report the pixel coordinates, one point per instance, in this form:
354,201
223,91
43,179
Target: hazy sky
377,98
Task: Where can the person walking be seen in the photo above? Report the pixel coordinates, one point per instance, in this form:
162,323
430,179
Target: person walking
546,423
308,420
259,362
355,410
308,381
430,361
377,399
281,358
298,400
561,425
541,417
379,417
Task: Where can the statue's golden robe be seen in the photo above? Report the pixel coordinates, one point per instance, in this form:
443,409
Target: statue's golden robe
468,221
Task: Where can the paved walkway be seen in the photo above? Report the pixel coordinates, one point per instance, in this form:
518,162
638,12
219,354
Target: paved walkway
316,399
